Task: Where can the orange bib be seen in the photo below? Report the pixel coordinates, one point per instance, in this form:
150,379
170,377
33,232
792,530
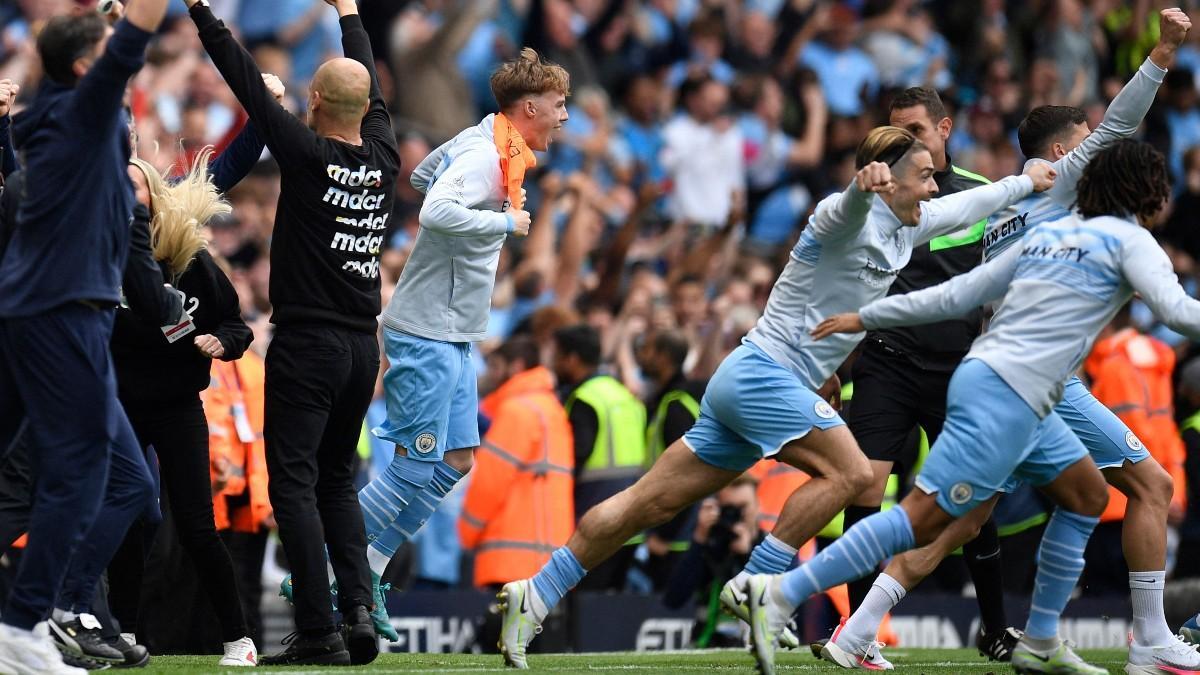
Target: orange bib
515,159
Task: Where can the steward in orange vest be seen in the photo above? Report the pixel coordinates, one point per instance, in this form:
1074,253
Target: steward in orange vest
1131,375
519,506
233,404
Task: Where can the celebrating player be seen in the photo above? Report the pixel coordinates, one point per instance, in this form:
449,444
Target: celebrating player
1059,135
1059,287
763,399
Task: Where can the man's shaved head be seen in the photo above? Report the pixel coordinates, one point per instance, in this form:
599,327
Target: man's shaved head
343,87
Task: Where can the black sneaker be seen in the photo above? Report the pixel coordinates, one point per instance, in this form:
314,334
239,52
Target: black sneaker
817,646
998,645
136,656
325,650
80,637
358,631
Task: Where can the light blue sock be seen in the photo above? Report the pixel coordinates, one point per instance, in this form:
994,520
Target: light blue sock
559,575
391,492
855,555
772,556
411,518
1060,562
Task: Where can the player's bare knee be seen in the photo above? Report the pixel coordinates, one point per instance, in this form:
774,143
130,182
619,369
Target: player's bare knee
1091,502
657,510
1154,487
859,477
461,460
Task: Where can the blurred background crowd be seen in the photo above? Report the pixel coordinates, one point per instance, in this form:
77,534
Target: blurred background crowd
701,134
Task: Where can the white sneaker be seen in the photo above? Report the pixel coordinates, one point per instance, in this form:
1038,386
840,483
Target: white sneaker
240,653
1062,660
23,653
769,613
733,599
518,626
1175,657
869,658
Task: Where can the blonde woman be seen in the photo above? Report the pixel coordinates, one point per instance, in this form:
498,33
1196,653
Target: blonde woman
161,371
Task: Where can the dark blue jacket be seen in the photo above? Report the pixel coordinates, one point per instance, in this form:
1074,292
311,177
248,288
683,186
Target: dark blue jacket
72,233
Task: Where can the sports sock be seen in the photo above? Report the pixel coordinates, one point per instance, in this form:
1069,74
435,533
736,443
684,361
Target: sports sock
772,556
863,625
982,555
377,560
855,554
1149,623
384,498
558,576
412,517
1060,562
858,588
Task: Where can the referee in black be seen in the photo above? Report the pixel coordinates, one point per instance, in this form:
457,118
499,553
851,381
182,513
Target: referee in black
902,374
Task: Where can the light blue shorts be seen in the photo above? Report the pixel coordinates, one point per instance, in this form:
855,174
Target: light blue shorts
991,437
432,396
753,407
1105,436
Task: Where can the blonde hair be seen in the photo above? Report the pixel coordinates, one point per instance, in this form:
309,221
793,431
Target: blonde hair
528,74
178,211
887,145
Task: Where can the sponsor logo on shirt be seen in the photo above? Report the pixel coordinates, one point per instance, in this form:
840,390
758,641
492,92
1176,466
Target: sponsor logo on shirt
1008,228
961,493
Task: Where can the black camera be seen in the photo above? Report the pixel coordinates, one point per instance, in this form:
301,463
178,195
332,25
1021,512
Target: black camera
721,534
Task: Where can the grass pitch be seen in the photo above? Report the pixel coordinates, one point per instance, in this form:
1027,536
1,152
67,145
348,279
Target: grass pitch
731,661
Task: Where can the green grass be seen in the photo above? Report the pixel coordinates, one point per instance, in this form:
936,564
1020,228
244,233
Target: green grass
733,661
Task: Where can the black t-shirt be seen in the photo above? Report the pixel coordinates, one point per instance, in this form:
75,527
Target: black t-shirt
336,198
149,367
938,346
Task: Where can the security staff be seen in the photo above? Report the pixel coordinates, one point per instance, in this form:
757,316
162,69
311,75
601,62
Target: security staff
608,426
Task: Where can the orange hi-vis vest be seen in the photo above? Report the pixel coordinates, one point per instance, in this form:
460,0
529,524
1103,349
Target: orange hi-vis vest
1131,374
233,405
519,506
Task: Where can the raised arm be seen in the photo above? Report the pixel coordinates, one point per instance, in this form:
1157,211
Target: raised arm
948,300
1150,273
287,137
842,216
96,101
462,184
377,124
962,209
237,160
1125,113
142,282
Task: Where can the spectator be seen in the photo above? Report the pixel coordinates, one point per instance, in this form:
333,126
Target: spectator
702,153
1189,408
519,504
848,76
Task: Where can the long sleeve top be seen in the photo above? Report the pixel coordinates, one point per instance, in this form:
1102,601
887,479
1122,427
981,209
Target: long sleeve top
1121,120
850,253
336,198
445,290
1059,288
75,142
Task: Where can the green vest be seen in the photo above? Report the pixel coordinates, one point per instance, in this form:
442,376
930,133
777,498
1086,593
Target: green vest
620,450
655,443
1192,423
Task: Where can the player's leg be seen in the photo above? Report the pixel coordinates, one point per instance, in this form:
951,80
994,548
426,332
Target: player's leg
969,463
854,641
1128,466
1061,467
462,436
981,553
882,419
421,385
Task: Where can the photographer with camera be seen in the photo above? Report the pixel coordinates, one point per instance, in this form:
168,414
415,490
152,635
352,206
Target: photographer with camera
725,533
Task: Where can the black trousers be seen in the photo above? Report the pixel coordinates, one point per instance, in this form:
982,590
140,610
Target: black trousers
178,431
892,397
320,381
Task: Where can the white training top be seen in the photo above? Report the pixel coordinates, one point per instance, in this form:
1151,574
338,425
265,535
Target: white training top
850,253
1063,284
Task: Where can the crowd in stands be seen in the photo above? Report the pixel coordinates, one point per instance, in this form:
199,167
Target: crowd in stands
701,134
